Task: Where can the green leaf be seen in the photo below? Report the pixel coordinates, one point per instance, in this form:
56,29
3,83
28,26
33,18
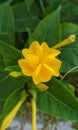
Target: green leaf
6,24
1,106
54,3
58,101
69,53
13,68
48,29
10,54
28,3
16,95
9,84
25,19
2,71
69,11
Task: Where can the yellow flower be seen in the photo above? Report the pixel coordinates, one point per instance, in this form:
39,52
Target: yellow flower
40,62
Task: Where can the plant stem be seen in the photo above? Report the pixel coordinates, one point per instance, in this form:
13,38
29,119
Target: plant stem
33,104
42,6
76,67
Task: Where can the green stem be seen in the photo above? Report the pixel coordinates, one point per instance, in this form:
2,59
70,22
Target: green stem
33,104
42,6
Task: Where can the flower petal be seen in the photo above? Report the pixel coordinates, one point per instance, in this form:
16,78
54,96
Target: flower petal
35,48
31,60
42,74
25,52
45,48
53,63
26,69
54,52
37,71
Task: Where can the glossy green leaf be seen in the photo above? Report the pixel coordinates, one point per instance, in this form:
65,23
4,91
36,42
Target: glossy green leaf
48,29
69,9
28,3
16,96
10,54
58,101
62,93
25,19
6,24
69,53
48,104
2,71
13,68
9,84
1,106
54,3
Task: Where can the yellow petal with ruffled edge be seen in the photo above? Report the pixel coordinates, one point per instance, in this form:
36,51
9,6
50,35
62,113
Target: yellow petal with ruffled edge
42,73
45,49
54,52
31,60
26,69
53,63
25,52
35,48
